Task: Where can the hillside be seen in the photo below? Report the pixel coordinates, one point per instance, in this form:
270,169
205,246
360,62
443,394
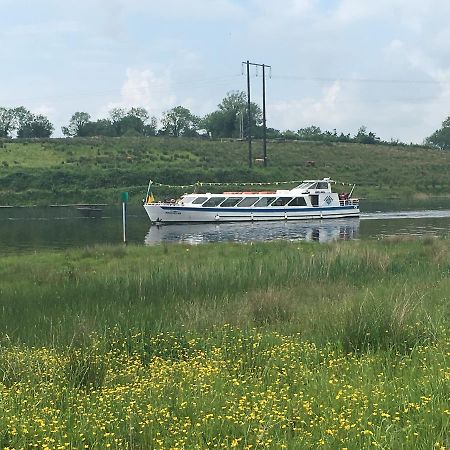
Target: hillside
90,170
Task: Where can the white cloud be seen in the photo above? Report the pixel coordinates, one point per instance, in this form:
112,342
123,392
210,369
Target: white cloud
145,88
188,10
324,111
292,9
44,109
39,29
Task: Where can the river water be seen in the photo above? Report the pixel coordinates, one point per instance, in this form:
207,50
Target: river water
32,229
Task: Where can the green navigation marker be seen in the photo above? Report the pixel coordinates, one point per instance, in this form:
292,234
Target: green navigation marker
124,197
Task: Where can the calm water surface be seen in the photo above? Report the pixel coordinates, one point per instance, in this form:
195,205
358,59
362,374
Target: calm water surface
32,229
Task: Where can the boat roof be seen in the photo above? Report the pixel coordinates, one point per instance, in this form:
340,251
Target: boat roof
321,179
304,185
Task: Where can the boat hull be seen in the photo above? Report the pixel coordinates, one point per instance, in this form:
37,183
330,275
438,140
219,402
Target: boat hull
165,213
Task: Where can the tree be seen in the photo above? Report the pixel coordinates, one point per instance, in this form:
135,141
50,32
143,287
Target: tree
151,128
32,126
130,122
311,133
441,138
23,121
101,127
7,122
139,113
232,117
41,127
366,138
179,121
76,124
236,106
289,134
116,115
219,124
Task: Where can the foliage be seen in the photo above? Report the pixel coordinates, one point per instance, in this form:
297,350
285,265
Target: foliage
129,122
184,347
441,138
24,123
7,122
81,169
231,119
324,291
77,124
38,127
134,122
365,137
179,121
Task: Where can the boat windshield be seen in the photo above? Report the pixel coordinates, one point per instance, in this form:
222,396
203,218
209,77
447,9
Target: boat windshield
305,185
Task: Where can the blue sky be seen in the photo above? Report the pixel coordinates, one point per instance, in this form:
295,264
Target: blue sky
337,64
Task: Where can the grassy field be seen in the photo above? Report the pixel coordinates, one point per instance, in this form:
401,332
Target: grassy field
60,171
276,345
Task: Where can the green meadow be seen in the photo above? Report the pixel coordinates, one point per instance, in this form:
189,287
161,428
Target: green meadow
89,170
267,345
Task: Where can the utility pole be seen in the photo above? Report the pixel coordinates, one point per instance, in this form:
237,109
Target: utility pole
249,119
264,116
249,129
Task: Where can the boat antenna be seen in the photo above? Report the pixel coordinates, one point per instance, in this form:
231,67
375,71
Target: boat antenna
351,192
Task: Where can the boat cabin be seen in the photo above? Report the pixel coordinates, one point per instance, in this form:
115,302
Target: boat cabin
310,193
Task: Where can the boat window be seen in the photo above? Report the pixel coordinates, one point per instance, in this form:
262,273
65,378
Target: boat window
247,201
214,201
314,200
265,201
313,186
188,198
298,201
231,201
281,201
199,200
322,185
305,185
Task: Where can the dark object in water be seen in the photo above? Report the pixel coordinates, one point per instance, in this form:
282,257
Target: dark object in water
89,211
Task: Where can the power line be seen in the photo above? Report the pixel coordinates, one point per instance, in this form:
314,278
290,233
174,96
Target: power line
155,88
361,80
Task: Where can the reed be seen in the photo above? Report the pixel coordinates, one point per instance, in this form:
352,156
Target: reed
276,345
54,297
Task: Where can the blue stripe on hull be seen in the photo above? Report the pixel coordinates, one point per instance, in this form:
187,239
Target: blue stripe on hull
253,210
183,214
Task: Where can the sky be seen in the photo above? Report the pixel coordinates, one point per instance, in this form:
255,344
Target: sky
337,64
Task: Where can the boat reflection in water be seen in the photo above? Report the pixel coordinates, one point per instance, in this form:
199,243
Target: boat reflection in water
311,230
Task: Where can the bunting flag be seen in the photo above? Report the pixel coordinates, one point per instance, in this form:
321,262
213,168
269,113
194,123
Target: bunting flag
268,183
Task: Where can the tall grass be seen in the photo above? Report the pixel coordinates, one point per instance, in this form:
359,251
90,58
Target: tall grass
51,298
276,345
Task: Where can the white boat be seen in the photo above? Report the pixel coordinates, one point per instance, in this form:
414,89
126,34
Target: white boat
312,199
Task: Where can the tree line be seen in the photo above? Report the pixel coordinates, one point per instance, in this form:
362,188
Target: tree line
229,120
24,124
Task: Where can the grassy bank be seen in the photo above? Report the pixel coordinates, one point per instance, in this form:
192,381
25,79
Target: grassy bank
222,346
59,171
